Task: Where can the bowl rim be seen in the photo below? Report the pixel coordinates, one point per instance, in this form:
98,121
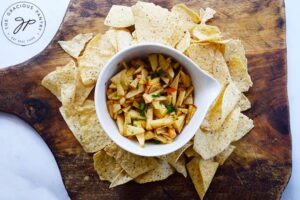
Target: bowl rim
97,102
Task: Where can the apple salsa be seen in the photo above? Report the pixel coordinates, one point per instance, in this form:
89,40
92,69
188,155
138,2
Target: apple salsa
151,99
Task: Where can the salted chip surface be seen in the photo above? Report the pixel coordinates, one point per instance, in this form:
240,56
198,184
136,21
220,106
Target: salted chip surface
202,173
174,157
98,51
188,17
163,171
66,85
184,43
244,103
119,17
206,14
106,167
156,24
179,165
220,70
190,152
206,33
225,103
234,54
85,127
203,55
120,179
134,165
245,124
210,143
74,46
123,39
222,157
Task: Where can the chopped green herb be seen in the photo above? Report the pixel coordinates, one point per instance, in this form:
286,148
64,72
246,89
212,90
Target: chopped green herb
170,108
176,65
156,142
156,95
142,109
158,73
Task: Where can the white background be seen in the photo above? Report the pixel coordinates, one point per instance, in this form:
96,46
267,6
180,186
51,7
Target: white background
28,169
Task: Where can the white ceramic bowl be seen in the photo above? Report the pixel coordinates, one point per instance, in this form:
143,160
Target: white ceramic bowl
206,90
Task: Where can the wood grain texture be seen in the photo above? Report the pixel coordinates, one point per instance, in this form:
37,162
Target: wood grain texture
260,166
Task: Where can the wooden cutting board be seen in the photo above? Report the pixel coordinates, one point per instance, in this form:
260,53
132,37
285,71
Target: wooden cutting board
260,166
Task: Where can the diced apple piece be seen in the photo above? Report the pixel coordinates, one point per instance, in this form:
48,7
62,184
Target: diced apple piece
179,122
133,130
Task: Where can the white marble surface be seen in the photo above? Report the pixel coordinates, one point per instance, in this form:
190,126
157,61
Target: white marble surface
28,169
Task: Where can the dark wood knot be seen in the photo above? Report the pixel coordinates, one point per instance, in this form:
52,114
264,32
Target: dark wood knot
35,109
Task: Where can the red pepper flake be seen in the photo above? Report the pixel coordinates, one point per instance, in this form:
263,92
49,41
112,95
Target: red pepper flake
170,89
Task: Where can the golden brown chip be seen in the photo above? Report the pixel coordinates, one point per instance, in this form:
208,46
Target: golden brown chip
206,33
202,173
179,165
203,55
222,157
74,46
85,127
106,166
120,179
134,165
206,14
119,17
174,157
156,24
184,43
225,103
244,103
66,85
98,51
188,17
220,70
163,171
123,38
209,144
245,124
234,54
190,152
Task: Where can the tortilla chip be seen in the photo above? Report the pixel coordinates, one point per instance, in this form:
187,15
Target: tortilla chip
188,17
179,165
203,55
206,33
202,173
225,103
220,69
190,152
222,157
174,157
244,103
66,85
119,17
184,43
86,128
106,166
234,55
245,124
74,46
98,51
163,171
156,24
209,144
123,38
68,93
120,179
134,165
206,14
